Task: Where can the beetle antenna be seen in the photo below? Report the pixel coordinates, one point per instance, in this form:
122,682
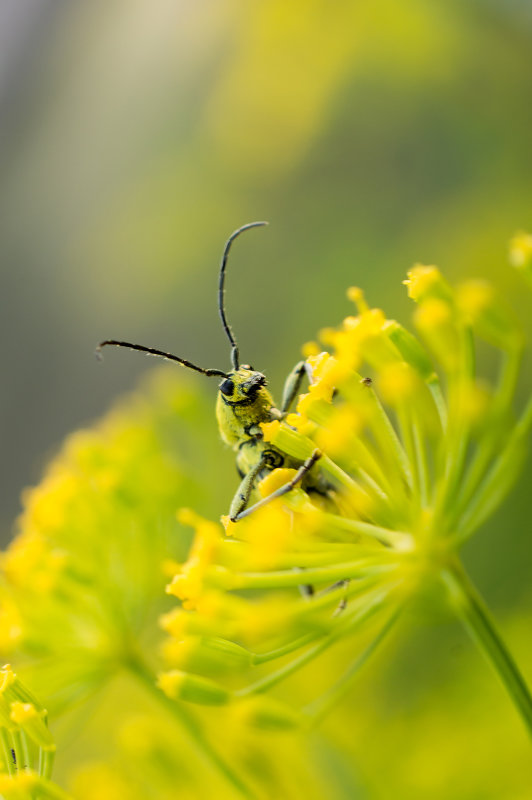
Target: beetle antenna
221,289
153,352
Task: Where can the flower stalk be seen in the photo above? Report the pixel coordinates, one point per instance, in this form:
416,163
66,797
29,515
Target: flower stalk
473,612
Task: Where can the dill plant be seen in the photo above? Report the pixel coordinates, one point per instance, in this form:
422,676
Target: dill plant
419,450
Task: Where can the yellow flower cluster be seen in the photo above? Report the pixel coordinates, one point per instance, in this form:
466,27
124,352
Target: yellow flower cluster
82,588
417,449
83,577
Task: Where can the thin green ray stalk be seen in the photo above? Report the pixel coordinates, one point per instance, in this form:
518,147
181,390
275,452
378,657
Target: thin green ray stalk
493,439
509,375
25,750
330,574
363,455
318,709
17,749
390,443
349,623
421,462
499,478
48,758
371,485
284,650
407,439
276,677
194,730
5,742
435,389
343,532
458,433
477,619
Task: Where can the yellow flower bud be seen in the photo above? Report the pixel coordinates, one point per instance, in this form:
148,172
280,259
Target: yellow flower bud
310,349
356,295
32,723
427,281
482,308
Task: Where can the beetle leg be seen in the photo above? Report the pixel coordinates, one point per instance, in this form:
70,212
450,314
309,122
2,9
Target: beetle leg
243,493
293,385
300,474
306,589
342,605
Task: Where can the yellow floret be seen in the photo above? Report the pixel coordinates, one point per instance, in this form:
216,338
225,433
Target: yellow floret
422,280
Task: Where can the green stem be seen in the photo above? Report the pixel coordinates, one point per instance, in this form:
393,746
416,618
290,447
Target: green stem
5,742
458,432
509,375
302,608
193,729
321,707
309,607
477,619
499,478
25,752
389,441
348,529
422,465
330,574
16,749
48,758
407,439
346,623
363,456
493,440
284,650
435,389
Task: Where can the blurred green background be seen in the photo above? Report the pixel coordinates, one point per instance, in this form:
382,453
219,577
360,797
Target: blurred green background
137,135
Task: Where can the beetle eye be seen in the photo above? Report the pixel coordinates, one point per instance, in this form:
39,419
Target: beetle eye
226,387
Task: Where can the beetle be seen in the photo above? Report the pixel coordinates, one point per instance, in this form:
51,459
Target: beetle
243,403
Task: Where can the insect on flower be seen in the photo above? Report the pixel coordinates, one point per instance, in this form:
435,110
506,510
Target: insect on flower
244,403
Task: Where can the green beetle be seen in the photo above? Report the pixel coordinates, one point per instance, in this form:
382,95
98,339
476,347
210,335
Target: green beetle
243,403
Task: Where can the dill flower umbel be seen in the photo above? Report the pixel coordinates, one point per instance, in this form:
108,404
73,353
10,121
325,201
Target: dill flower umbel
81,590
418,449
